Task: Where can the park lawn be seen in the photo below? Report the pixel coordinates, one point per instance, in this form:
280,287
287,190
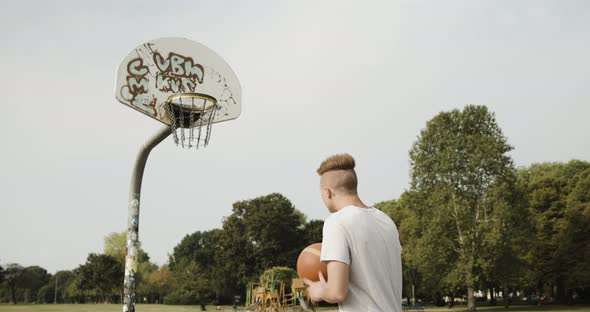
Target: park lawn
100,308
171,308
112,308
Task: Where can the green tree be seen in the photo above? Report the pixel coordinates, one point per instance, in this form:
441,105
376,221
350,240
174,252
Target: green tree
57,286
547,203
72,293
191,284
161,282
559,235
202,247
102,273
33,278
403,213
13,276
260,233
312,232
1,274
45,294
505,265
577,234
142,276
460,165
53,290
115,245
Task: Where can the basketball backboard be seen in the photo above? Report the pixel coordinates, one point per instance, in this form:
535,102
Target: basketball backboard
165,70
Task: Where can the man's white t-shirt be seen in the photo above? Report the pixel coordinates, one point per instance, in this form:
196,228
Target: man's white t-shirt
368,241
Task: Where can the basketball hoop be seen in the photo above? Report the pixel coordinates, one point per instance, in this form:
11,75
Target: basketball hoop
187,87
191,118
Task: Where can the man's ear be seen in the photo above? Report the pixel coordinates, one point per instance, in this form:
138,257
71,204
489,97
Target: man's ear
329,192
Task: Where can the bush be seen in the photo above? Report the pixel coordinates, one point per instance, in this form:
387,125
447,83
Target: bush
182,297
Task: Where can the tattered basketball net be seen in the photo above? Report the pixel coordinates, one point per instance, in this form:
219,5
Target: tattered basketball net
191,118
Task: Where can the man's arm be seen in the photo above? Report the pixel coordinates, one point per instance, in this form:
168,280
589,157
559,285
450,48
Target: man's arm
335,289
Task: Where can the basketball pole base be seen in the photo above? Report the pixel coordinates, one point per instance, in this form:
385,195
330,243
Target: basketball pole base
131,254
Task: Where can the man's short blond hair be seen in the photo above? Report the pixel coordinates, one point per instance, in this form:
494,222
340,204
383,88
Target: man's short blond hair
337,162
340,169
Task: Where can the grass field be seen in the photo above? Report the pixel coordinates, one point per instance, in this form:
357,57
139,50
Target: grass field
112,308
101,308
166,308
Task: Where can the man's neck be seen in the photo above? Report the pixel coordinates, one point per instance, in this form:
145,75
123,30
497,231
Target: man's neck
349,201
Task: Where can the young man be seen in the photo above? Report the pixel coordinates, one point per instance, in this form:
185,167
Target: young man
360,245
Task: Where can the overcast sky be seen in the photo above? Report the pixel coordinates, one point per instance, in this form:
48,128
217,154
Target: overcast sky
318,78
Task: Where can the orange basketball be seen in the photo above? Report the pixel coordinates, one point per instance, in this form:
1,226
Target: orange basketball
308,263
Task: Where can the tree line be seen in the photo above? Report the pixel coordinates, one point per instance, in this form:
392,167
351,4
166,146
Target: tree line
205,267
470,223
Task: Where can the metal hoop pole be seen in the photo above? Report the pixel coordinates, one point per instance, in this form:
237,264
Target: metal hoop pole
133,217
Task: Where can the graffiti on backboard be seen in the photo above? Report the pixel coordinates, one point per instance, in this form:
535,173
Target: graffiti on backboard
156,73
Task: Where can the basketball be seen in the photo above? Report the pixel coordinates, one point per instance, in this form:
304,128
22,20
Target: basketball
308,263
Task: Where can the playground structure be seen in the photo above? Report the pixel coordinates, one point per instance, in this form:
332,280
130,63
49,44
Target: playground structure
265,298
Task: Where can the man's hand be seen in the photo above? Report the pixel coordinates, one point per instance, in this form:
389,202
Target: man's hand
315,290
335,289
